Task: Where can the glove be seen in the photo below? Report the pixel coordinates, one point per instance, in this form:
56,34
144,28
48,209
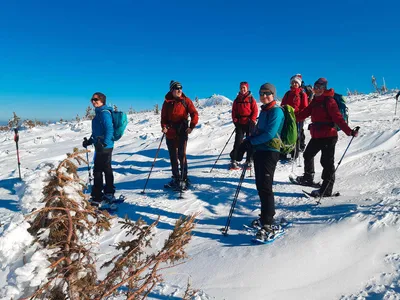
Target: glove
354,132
86,143
244,147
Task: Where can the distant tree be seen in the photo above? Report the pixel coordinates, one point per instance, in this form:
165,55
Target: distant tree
89,113
77,118
156,109
61,120
115,107
196,101
14,121
131,111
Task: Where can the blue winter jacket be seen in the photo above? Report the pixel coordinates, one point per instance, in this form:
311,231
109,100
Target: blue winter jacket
265,136
102,127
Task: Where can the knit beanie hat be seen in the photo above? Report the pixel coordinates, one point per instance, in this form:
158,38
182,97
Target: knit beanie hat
174,84
322,81
245,84
268,87
296,78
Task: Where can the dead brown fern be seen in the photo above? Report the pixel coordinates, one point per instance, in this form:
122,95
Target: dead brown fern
72,270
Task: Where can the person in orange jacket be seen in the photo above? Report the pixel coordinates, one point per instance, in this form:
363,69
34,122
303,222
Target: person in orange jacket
244,117
175,125
298,99
324,113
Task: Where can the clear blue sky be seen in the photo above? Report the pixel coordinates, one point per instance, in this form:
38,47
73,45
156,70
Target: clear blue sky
55,54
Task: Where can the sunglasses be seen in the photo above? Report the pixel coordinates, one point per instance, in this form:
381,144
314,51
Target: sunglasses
177,88
319,87
95,99
265,93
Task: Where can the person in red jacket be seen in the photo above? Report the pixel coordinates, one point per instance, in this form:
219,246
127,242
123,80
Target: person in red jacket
297,98
175,125
324,114
244,117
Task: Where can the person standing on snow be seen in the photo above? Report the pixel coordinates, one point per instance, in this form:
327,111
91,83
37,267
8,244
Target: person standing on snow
102,134
265,142
244,117
174,123
297,98
324,114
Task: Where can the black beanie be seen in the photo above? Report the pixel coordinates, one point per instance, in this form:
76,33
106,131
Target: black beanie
174,84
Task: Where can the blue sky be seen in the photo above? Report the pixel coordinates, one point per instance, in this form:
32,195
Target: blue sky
55,54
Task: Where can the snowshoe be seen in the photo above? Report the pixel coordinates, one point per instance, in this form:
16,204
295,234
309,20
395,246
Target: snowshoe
234,165
268,233
317,194
172,184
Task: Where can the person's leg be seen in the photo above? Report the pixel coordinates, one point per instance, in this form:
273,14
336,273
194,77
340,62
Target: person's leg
312,149
249,153
238,140
264,166
173,157
108,172
182,155
97,188
302,137
328,165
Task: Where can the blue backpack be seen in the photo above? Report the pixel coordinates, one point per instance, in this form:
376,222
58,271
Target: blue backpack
341,103
120,121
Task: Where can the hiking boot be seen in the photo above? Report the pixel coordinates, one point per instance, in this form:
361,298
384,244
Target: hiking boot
94,202
174,183
249,165
256,224
306,180
109,198
234,165
269,232
319,192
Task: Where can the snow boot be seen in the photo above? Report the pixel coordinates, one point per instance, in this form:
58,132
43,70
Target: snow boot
234,165
269,232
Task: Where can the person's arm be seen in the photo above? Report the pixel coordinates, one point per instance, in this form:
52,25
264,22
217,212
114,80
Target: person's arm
303,114
271,128
234,118
254,111
337,118
108,127
194,115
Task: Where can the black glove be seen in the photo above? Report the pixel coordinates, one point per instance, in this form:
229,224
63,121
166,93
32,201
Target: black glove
354,132
86,143
244,147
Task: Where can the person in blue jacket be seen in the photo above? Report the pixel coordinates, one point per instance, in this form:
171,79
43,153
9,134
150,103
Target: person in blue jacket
102,139
266,144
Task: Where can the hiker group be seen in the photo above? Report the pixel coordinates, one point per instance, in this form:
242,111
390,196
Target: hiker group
278,127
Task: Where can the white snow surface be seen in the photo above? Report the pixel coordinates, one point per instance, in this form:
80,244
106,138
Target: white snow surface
346,248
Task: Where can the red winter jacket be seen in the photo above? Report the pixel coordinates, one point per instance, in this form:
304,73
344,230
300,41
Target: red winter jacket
296,98
244,108
174,112
324,114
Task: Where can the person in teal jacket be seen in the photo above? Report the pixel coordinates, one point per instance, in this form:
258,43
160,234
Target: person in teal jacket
266,144
102,139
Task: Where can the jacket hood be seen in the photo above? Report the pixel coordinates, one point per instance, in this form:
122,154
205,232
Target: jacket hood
101,108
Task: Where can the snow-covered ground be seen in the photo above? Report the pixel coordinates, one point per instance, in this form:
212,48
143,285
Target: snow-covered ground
346,248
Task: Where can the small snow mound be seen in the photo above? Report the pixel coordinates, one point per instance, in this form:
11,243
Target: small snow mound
79,126
215,100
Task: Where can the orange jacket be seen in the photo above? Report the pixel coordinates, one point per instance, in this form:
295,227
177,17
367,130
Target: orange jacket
176,111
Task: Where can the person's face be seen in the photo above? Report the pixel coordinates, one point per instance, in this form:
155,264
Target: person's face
295,84
266,96
177,91
243,89
319,89
96,101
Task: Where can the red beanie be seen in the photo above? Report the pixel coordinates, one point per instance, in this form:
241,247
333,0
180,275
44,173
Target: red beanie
244,83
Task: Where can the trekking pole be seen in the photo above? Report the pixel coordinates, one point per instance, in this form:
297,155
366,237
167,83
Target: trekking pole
228,222
222,150
395,109
340,161
158,150
16,139
87,158
297,144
